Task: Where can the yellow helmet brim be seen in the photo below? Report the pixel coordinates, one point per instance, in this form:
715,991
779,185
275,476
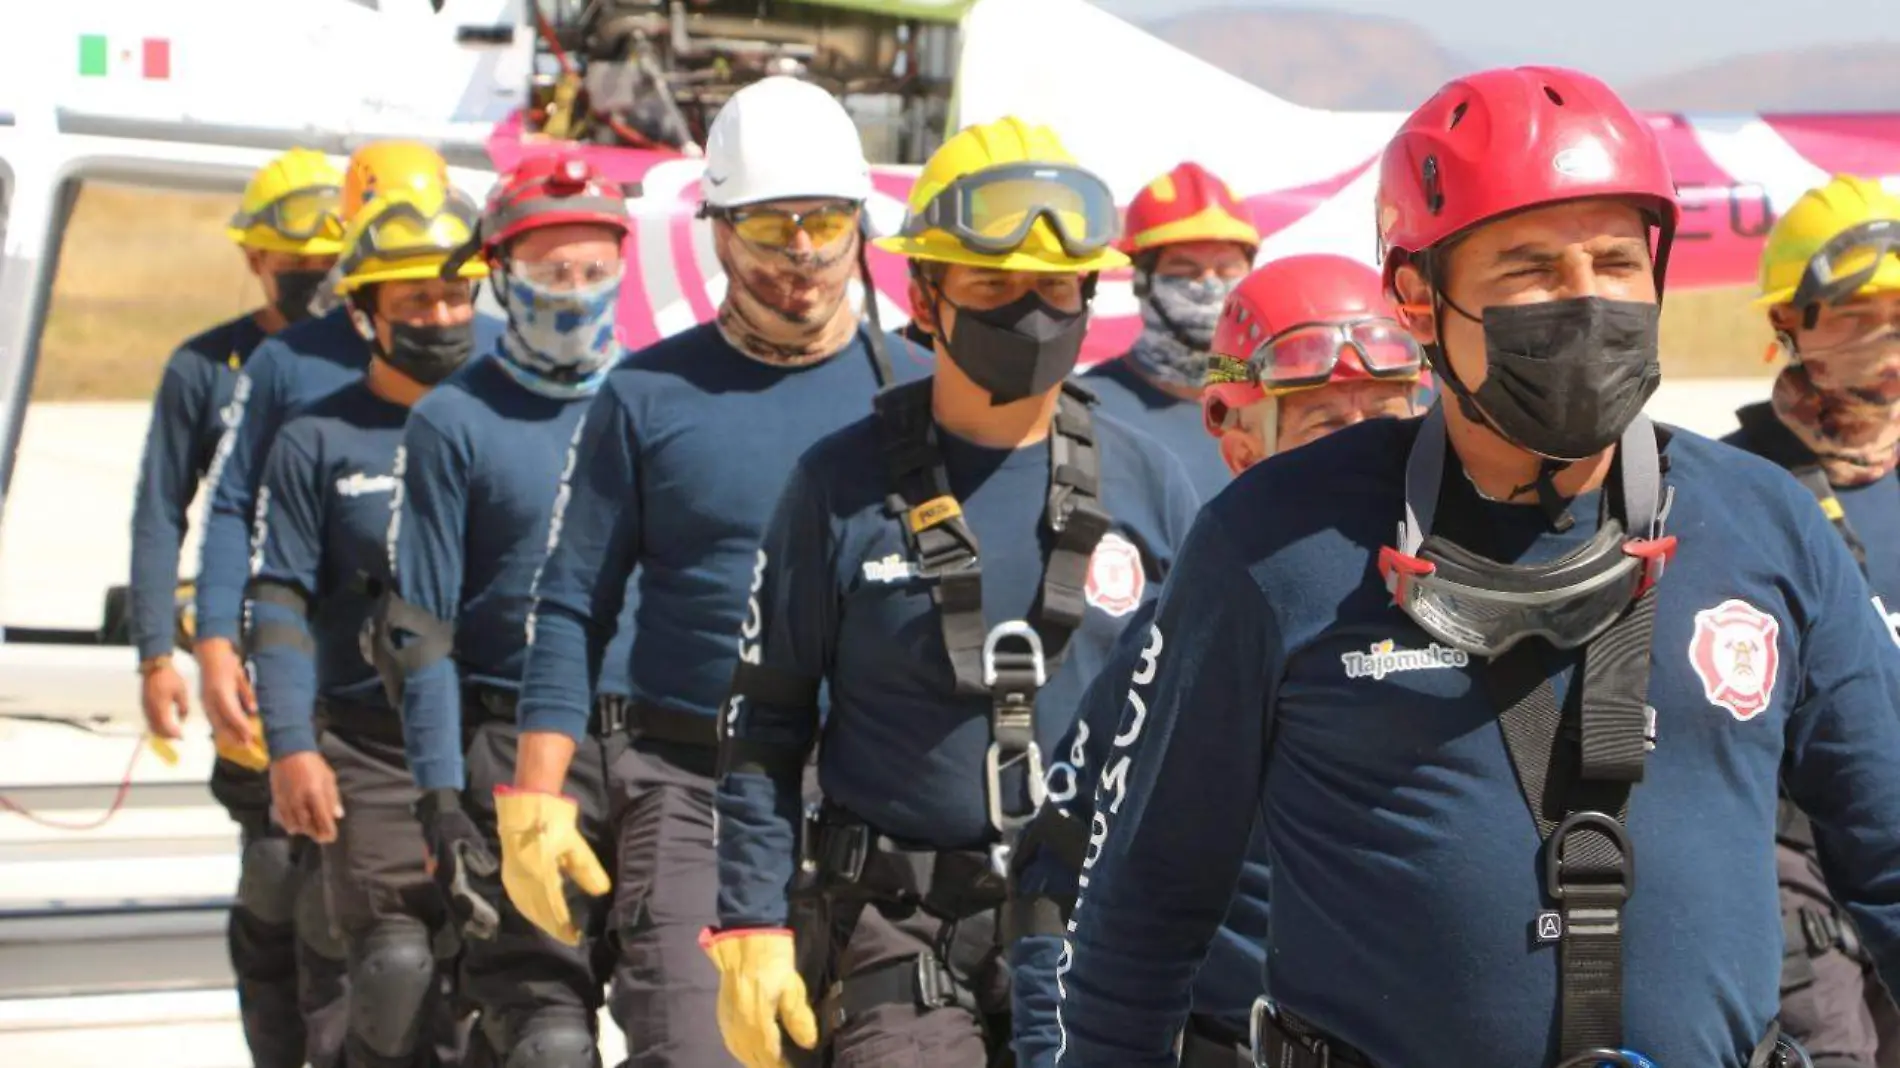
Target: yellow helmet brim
408,270
938,247
264,239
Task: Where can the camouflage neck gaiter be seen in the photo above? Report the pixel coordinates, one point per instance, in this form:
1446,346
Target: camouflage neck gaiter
1844,405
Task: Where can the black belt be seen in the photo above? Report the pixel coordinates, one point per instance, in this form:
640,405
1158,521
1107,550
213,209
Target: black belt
613,714
854,861
349,720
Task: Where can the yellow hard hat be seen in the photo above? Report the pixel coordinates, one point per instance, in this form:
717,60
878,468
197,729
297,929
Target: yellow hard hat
1810,229
290,206
1006,195
407,235
385,166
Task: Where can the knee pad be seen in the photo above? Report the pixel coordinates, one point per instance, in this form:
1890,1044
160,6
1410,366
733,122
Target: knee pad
392,975
267,881
566,1044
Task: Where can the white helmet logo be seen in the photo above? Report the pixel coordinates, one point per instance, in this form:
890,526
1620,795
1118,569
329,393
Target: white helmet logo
1586,161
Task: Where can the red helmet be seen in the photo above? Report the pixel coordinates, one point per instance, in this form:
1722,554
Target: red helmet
554,189
1187,204
1300,292
1503,140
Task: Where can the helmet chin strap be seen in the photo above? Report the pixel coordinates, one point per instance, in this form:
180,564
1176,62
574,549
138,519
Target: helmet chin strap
1555,506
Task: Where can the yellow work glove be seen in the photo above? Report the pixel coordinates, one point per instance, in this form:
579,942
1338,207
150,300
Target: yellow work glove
252,756
759,990
540,844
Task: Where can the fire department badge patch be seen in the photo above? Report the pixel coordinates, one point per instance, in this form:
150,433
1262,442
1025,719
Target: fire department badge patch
1734,654
1116,580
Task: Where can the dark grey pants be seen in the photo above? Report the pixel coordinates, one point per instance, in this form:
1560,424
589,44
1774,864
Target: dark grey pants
1831,1001
905,1033
292,987
646,810
404,1011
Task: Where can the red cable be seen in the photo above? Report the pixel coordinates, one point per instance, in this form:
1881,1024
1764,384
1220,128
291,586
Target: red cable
547,34
118,800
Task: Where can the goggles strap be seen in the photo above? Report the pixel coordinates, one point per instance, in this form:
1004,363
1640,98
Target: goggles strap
874,334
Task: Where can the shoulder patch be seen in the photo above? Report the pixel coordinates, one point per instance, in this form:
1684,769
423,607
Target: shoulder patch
1116,579
1734,653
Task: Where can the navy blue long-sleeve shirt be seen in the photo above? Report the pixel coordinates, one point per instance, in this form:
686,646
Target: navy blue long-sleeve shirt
1168,419
322,525
1233,975
837,601
1404,874
482,463
295,367
188,418
678,464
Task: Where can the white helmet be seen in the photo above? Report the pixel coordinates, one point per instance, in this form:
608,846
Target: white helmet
782,139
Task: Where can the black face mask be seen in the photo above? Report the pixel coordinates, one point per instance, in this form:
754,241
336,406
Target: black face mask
431,353
1022,349
1566,377
296,291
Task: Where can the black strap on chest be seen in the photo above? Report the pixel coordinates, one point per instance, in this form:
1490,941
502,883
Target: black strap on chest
1577,763
1010,663
1765,435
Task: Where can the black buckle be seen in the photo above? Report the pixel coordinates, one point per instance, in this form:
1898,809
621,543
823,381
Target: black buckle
1555,870
843,850
611,714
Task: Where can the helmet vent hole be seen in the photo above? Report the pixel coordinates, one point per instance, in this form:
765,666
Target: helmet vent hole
1553,95
1457,115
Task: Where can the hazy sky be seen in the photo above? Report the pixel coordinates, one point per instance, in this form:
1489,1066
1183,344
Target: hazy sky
1611,38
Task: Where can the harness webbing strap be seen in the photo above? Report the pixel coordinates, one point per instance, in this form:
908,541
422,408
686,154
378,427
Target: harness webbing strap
1010,663
944,548
1576,763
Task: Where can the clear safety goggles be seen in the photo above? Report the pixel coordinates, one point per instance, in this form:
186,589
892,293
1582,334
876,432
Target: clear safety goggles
1484,607
1308,354
404,231
991,211
1848,261
299,215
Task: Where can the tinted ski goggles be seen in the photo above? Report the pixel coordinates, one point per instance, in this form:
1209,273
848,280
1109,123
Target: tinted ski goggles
992,210
1848,261
404,231
299,215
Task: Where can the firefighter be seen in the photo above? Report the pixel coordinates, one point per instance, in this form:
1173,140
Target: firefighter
286,227
288,371
1830,280
950,673
670,483
1511,686
1304,346
338,773
480,457
1191,241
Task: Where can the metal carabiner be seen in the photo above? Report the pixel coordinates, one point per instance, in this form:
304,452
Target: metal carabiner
993,763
